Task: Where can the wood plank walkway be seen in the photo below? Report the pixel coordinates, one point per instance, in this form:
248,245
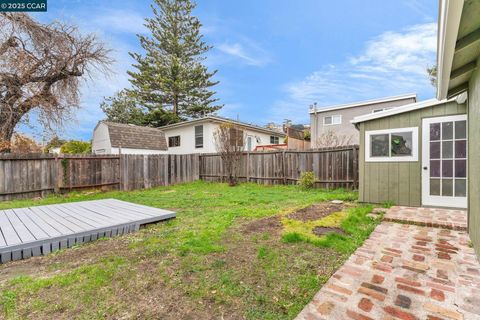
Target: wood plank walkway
35,231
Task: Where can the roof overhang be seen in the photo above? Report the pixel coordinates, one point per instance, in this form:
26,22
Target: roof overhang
458,46
363,103
398,110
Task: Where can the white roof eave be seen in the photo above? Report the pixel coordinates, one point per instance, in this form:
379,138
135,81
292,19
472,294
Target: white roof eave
363,103
450,13
398,110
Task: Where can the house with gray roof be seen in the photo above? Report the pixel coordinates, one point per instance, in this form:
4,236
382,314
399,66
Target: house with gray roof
115,138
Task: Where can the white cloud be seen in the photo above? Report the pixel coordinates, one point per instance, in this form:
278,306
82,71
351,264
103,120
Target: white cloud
246,51
392,63
120,21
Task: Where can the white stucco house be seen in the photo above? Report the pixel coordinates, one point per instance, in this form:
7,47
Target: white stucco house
115,138
197,135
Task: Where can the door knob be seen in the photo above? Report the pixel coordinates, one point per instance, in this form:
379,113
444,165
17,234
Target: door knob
425,168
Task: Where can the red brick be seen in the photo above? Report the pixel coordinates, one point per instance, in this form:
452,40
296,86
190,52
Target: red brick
418,257
339,289
410,289
357,316
377,279
394,250
437,295
382,267
399,313
442,274
403,301
374,287
387,259
371,293
365,304
443,255
408,281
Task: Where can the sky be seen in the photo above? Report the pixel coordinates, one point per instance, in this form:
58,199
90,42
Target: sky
274,58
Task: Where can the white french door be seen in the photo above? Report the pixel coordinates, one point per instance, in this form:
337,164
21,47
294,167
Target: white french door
444,161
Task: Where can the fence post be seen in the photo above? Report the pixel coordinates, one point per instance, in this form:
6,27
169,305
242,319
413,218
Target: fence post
283,168
248,167
355,167
56,187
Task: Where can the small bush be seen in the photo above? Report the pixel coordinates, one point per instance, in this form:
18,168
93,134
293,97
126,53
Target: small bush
307,180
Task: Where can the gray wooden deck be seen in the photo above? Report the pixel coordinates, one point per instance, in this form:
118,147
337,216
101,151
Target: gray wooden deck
40,230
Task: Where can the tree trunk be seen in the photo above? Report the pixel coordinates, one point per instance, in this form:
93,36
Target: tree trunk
8,123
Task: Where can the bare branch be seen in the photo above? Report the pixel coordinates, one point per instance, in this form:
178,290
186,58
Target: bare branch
41,68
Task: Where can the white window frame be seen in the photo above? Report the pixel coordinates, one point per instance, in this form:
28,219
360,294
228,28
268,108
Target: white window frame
198,135
339,116
274,138
412,158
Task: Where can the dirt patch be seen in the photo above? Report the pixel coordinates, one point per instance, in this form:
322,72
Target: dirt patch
270,224
321,231
316,211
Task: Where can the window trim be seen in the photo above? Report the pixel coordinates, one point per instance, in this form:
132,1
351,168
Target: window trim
273,138
198,136
179,141
332,116
415,145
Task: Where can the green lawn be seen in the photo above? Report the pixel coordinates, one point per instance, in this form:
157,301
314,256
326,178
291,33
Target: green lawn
231,253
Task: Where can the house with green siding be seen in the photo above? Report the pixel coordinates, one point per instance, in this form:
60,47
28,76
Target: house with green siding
425,153
458,57
414,155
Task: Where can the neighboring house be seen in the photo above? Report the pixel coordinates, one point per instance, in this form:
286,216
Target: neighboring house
337,118
197,136
458,60
415,155
55,150
115,138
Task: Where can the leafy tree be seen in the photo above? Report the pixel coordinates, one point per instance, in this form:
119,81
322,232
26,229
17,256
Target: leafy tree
76,147
55,142
122,108
171,76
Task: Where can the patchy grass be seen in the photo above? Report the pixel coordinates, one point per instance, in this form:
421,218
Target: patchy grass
353,221
223,256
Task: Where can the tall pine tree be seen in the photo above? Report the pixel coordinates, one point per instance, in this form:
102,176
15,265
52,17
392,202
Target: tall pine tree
171,80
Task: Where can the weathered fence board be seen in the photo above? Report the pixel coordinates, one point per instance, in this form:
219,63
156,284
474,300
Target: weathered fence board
28,176
333,167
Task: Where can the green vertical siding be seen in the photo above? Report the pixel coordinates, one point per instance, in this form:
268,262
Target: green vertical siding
399,182
474,160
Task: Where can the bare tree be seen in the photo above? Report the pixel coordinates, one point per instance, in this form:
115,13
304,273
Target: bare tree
24,144
41,67
230,143
331,139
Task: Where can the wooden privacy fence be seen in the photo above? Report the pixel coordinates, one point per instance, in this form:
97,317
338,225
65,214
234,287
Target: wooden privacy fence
28,176
333,167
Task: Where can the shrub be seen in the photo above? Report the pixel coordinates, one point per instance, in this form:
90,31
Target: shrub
74,146
307,180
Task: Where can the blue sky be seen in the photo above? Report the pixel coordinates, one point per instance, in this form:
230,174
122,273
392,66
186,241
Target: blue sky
274,57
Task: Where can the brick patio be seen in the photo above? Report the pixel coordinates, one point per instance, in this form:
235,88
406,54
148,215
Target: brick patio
403,271
429,217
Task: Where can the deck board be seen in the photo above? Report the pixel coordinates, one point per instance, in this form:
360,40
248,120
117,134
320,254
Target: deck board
33,231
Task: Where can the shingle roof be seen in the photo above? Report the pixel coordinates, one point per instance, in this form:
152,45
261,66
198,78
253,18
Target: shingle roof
135,137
